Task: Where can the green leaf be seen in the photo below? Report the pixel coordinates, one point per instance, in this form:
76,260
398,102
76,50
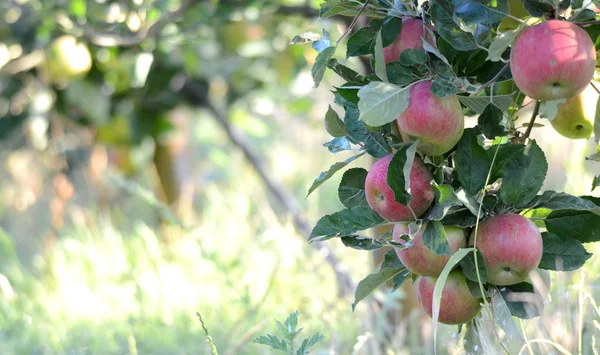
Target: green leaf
502,317
350,94
468,201
561,201
309,343
390,30
500,44
272,341
345,223
523,176
352,188
346,73
506,152
595,182
490,122
379,60
78,94
337,145
308,37
516,303
373,282
549,109
375,142
399,74
361,243
442,14
475,289
583,15
583,226
325,175
77,8
435,239
381,103
442,88
333,124
538,8
471,163
467,265
481,11
318,69
479,103
445,199
361,42
597,124
398,176
562,254
459,217
391,261
412,57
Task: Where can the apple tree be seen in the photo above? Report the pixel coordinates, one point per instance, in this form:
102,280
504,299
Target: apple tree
471,226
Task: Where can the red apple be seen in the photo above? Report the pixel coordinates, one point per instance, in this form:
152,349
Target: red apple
457,305
418,258
410,37
380,196
438,123
511,246
553,60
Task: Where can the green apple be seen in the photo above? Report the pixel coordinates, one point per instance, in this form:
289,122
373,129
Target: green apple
575,118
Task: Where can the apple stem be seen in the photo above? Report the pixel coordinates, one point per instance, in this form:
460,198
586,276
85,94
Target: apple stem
536,109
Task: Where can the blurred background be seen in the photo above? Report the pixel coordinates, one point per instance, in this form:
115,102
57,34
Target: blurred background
155,157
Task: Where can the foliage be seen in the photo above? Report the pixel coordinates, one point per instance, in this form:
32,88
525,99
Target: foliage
287,344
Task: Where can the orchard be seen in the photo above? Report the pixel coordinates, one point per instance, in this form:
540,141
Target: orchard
471,224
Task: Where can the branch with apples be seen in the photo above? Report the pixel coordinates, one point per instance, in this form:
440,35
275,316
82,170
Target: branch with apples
471,227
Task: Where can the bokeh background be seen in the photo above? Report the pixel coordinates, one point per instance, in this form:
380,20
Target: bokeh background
170,178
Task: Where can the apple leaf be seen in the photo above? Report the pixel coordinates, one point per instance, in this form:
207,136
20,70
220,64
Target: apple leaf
361,42
561,201
398,176
467,265
481,11
361,243
435,238
443,14
549,109
389,27
375,142
471,163
490,122
391,260
562,254
381,103
513,340
442,88
523,176
439,287
459,217
445,199
597,122
333,124
583,15
506,153
500,44
583,226
345,223
479,103
517,297
538,8
399,74
337,145
318,69
379,60
412,57
352,188
374,281
325,175
595,182
346,73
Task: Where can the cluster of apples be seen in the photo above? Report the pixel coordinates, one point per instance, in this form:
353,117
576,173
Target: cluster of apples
549,61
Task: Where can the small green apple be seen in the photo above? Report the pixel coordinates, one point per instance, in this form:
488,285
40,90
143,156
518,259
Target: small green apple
575,118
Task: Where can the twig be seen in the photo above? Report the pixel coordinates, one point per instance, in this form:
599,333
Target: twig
353,22
281,194
213,348
594,86
586,23
482,87
536,109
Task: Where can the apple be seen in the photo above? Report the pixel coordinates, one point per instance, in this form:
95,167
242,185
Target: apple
575,117
438,123
410,37
418,258
67,60
552,60
380,196
511,246
457,305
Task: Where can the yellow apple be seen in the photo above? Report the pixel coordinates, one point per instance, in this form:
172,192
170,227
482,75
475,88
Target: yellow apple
67,60
575,118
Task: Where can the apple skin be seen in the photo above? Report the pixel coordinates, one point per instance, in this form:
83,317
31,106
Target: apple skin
380,196
438,123
67,60
552,60
511,246
575,117
457,305
418,258
410,37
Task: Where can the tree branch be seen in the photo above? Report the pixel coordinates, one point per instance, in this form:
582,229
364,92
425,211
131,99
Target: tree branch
491,81
281,194
536,109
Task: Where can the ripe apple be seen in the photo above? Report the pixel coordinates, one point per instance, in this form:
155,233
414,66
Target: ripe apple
380,196
67,60
511,246
553,60
457,305
410,37
575,117
438,123
418,258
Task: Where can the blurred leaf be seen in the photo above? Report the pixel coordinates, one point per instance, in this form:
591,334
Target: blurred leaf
318,69
538,8
471,163
373,282
381,103
523,176
346,73
333,124
361,243
595,182
583,15
583,226
309,343
549,109
435,239
479,103
379,60
398,176
272,341
89,100
322,43
345,223
77,8
490,122
517,307
352,188
597,124
562,254
337,145
481,11
308,37
325,175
